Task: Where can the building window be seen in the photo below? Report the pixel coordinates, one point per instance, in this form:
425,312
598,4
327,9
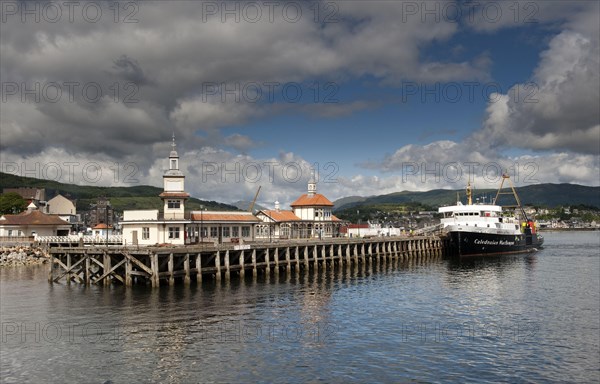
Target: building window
173,232
213,232
225,231
173,204
235,231
245,231
145,233
173,164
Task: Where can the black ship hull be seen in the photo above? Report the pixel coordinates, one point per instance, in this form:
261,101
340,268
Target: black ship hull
477,244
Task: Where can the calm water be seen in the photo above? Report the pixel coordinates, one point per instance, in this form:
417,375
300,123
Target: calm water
530,318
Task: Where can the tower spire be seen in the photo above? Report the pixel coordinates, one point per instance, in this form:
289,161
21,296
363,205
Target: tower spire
173,156
312,183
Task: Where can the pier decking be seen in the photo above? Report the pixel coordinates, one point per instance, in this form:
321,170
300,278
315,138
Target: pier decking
156,265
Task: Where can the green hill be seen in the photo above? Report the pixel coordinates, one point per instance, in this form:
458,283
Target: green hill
544,195
121,198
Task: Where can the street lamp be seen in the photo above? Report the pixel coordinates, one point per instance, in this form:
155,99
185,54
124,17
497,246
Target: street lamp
358,214
106,217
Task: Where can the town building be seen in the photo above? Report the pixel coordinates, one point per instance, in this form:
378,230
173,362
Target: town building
60,205
65,209
33,222
36,196
102,230
310,217
100,212
369,230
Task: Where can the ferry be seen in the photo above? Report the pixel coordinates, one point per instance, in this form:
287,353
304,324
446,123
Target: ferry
489,229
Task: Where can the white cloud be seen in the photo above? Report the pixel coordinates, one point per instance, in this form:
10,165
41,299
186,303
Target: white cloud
175,49
559,109
172,51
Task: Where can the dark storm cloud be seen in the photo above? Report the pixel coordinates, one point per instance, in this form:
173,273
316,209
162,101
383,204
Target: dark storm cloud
153,68
130,70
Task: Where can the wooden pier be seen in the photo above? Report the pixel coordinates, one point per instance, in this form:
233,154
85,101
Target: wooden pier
157,265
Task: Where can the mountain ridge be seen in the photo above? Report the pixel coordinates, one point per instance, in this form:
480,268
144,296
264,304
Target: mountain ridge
146,196
546,194
121,198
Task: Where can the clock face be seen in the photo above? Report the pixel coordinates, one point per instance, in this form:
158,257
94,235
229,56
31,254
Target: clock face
174,185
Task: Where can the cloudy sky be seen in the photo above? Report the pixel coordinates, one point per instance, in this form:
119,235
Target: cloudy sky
377,97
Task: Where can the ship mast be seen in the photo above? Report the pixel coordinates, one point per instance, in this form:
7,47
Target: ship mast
469,194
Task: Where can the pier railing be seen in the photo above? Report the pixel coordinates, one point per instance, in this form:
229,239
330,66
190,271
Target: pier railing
434,229
76,240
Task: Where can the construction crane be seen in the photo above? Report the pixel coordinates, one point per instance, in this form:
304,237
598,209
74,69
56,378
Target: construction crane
251,207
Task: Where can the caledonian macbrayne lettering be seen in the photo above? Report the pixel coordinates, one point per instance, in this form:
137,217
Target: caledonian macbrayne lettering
494,242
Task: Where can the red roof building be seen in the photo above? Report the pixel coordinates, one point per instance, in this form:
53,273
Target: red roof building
33,222
316,200
311,217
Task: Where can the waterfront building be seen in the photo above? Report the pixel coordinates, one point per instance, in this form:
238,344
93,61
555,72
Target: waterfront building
33,222
221,227
176,226
310,217
102,230
369,230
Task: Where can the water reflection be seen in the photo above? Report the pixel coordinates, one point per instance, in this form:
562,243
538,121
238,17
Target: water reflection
378,322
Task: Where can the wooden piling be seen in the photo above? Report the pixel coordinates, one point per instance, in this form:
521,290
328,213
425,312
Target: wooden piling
227,265
130,266
186,269
241,264
199,267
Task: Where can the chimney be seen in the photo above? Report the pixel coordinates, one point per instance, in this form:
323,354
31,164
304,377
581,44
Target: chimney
31,207
277,206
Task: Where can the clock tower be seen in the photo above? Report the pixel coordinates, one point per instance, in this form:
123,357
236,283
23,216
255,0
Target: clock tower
174,195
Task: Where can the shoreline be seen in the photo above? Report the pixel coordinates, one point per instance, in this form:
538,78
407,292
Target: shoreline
21,255
568,229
